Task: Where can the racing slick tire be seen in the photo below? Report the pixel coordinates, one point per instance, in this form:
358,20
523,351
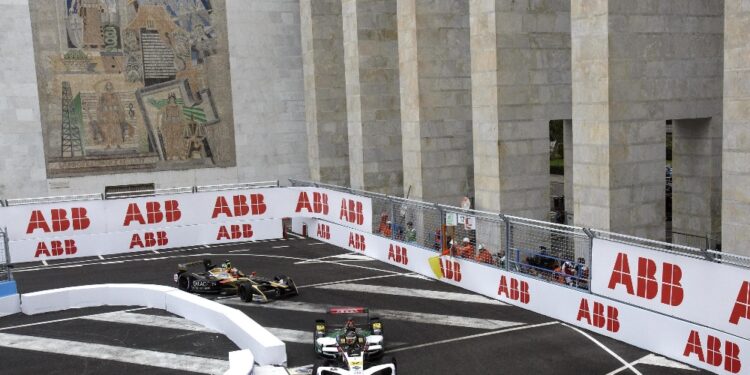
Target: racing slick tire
320,363
184,283
245,291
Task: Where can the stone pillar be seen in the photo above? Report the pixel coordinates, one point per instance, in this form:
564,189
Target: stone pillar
435,77
325,90
22,174
696,177
735,205
630,74
568,164
372,95
520,57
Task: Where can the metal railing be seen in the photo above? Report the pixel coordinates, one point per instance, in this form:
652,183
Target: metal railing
5,270
545,250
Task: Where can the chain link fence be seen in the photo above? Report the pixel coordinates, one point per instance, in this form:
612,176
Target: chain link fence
5,272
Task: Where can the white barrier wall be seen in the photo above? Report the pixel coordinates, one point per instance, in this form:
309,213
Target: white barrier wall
674,285
266,348
697,345
90,228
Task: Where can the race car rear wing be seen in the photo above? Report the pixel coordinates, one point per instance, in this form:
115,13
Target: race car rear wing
205,263
348,310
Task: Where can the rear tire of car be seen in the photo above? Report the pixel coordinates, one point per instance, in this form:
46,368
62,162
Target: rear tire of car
184,283
245,292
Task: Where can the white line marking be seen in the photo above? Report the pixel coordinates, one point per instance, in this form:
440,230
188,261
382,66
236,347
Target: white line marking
155,251
606,349
115,353
316,243
206,246
60,320
410,292
472,336
352,280
101,257
655,360
149,320
407,316
44,262
295,235
280,247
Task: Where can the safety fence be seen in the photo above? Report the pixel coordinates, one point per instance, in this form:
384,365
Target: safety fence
5,271
547,251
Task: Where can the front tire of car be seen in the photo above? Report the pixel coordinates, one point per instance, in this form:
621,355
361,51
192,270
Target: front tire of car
245,292
183,283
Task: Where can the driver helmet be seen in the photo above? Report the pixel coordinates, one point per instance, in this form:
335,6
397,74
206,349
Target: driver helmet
350,326
351,338
227,264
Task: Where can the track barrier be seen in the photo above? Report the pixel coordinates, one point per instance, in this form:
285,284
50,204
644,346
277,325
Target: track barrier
689,304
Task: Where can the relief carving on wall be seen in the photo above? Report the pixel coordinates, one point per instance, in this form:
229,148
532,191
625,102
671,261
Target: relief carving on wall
133,85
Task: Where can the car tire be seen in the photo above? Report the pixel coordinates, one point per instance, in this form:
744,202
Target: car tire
245,291
184,283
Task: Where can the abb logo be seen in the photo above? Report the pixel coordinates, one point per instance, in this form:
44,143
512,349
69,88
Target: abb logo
239,206
742,306
351,211
156,212
451,270
713,353
324,231
647,286
56,248
398,254
149,239
599,319
357,241
235,231
319,203
60,220
518,291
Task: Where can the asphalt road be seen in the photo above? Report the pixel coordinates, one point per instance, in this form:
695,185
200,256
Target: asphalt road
430,327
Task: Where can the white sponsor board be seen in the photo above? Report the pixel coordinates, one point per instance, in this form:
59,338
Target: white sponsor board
713,294
353,211
132,241
697,345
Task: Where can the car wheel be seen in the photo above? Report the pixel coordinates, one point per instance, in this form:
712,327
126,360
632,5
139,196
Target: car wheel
183,283
245,292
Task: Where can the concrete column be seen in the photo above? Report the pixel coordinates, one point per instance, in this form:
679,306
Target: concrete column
22,171
568,164
325,90
435,78
520,81
372,95
635,65
735,205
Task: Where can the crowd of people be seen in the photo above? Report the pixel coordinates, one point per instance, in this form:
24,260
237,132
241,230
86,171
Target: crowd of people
564,271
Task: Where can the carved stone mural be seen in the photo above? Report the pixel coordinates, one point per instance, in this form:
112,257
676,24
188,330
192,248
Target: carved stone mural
133,85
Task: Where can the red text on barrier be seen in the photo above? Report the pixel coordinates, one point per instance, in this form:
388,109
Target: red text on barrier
56,248
319,203
713,353
156,212
235,232
597,317
351,211
742,306
357,241
324,231
647,285
149,239
516,291
240,206
451,270
398,254
59,219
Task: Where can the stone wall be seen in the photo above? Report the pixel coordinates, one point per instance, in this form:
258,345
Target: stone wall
735,211
435,79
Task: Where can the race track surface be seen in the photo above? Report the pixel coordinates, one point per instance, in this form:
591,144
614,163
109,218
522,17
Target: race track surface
430,327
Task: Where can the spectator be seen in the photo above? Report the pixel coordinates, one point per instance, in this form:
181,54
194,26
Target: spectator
438,241
450,248
582,273
388,232
411,233
467,249
569,272
383,227
484,255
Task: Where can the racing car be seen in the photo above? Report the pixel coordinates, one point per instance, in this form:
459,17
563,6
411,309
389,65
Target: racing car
352,362
205,277
330,340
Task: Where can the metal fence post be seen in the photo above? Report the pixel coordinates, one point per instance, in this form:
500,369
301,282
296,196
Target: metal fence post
506,243
591,237
392,216
6,245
